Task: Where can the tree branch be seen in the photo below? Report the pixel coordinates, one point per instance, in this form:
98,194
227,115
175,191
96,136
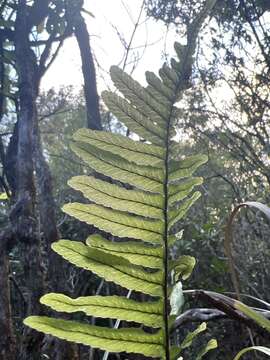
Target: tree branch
37,13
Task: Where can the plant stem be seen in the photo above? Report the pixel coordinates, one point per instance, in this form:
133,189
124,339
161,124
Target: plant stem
166,250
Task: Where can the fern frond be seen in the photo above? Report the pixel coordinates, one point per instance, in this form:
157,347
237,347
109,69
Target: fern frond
147,194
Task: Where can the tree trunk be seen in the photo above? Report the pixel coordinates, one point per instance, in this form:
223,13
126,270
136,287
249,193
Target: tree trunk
7,338
23,214
47,216
89,74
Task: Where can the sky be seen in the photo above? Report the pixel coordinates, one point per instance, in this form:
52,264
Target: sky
112,20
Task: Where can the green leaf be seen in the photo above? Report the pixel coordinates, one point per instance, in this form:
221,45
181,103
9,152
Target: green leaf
261,349
191,336
183,208
162,93
134,151
181,191
114,340
132,118
144,178
119,198
177,299
185,168
175,353
146,171
211,345
182,267
134,252
114,307
252,314
170,77
110,267
117,223
138,193
3,196
139,97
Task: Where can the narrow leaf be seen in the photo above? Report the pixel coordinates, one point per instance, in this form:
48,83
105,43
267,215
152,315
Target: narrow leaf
211,345
178,214
185,168
132,118
113,340
261,349
138,95
181,191
134,252
118,169
135,151
114,307
110,267
117,223
252,314
191,336
163,91
117,197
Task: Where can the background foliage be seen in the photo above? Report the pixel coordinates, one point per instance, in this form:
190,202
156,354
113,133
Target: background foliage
232,54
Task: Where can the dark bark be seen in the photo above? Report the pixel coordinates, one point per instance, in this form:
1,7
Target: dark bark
9,166
7,342
3,185
7,338
89,74
2,76
23,214
47,215
37,13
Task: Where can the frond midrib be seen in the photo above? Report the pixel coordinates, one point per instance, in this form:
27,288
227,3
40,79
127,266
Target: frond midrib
167,221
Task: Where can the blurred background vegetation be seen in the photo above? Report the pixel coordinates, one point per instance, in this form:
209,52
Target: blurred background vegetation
224,114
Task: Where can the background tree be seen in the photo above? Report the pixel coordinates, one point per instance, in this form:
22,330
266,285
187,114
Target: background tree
31,36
